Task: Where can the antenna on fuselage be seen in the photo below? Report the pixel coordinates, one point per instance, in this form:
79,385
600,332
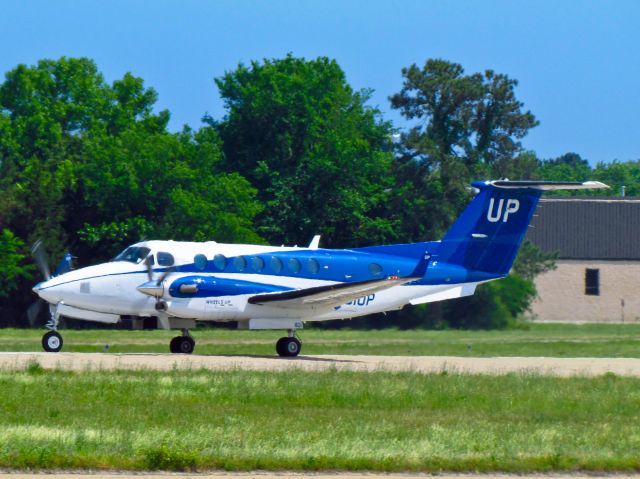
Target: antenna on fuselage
315,242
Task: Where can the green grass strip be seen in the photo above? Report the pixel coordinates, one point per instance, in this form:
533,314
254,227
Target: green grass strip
551,340
240,420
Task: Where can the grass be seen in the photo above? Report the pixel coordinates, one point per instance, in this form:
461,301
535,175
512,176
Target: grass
555,340
240,420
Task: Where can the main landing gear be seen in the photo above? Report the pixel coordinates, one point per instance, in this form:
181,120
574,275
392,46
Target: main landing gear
289,346
182,344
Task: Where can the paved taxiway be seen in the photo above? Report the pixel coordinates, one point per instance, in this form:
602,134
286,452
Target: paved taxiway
421,364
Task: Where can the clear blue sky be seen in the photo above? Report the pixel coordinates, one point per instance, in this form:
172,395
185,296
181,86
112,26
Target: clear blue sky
578,62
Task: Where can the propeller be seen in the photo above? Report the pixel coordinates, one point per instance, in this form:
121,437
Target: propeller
42,262
162,277
33,311
154,287
40,257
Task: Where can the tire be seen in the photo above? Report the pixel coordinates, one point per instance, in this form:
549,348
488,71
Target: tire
182,345
52,342
173,347
288,347
293,347
281,348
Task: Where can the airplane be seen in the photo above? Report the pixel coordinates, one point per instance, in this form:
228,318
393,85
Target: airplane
175,284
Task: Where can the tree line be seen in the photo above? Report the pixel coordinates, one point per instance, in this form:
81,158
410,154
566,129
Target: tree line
90,166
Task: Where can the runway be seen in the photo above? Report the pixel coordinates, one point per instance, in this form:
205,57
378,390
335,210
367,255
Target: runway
421,364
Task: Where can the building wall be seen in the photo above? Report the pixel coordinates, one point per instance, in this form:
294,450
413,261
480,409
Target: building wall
562,295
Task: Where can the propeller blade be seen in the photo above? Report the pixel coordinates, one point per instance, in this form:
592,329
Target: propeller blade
148,262
40,257
33,311
163,276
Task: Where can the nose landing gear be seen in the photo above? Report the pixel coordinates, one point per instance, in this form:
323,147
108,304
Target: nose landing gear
52,342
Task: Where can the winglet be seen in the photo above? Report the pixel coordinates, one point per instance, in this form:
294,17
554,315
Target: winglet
315,242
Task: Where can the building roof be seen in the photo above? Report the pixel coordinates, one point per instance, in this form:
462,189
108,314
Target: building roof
588,228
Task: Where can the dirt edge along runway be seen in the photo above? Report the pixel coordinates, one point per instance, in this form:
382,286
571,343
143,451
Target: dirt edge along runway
562,367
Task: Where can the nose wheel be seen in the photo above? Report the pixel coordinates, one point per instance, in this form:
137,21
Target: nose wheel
52,342
288,347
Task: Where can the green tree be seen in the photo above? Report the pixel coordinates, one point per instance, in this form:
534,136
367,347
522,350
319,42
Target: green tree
90,166
318,155
572,167
48,112
137,186
494,305
568,167
617,174
13,265
467,127
532,261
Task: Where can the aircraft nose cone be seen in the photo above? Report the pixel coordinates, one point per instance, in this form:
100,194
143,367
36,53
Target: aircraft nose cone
41,286
47,290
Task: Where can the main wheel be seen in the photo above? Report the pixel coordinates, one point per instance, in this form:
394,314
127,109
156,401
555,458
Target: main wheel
172,345
280,347
52,342
182,345
288,347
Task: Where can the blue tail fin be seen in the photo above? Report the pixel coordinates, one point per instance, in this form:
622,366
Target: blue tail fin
487,235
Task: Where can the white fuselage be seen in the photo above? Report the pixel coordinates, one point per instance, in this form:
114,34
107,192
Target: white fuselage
108,291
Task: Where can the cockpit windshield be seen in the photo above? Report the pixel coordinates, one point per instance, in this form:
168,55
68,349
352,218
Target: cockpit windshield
133,254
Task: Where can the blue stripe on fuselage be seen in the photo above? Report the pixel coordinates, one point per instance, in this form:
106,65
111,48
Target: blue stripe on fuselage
333,265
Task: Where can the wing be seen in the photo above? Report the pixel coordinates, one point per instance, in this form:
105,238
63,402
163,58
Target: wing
327,296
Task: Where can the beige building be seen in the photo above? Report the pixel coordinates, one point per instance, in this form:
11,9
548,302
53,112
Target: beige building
598,271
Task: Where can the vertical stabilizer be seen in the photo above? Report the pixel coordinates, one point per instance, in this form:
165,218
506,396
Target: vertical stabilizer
487,235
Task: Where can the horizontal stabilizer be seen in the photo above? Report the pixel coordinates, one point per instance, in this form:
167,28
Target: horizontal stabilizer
327,296
547,185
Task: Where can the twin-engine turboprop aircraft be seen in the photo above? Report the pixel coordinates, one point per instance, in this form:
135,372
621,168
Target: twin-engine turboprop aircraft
175,284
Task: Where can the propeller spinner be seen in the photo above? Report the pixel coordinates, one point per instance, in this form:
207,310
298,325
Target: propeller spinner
154,287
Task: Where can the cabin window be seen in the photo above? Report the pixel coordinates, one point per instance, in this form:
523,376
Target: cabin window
165,259
375,269
313,266
276,264
200,262
257,263
220,261
133,254
592,282
294,265
240,263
